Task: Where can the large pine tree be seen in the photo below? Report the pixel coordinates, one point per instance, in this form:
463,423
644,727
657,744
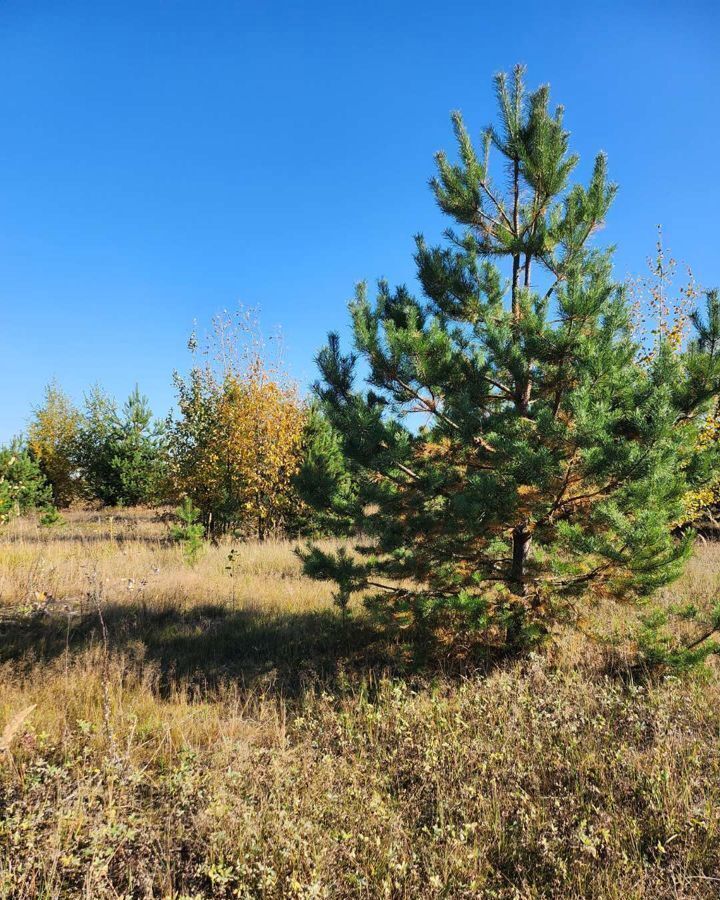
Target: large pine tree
514,449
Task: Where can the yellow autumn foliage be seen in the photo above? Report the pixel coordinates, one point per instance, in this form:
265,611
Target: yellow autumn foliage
697,503
238,445
52,435
662,311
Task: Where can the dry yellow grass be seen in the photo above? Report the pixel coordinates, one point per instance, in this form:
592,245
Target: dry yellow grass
234,738
132,556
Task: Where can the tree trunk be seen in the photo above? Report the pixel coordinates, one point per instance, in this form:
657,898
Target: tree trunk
516,232
522,539
518,610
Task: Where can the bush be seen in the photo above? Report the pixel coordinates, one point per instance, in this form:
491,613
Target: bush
51,517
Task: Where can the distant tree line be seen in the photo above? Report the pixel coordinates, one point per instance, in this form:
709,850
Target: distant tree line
235,448
97,453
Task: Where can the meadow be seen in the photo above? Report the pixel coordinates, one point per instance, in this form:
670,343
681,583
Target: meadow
221,731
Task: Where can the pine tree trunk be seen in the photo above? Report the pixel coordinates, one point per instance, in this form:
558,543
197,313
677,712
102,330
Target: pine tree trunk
515,280
516,256
522,539
524,404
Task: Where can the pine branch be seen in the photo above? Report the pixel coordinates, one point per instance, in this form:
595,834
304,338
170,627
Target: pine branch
702,638
496,203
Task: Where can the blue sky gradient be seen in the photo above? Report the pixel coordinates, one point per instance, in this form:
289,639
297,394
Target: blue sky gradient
161,161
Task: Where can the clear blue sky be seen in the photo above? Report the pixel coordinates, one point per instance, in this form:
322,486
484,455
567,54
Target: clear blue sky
161,161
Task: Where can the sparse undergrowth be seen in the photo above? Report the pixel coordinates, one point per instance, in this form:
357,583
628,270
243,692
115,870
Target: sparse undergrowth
243,740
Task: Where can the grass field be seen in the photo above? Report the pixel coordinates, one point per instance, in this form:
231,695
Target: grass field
221,732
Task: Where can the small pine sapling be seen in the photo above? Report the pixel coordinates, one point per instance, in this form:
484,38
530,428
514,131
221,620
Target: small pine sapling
189,532
51,517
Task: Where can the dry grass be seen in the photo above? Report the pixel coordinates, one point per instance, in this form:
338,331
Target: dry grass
132,555
235,739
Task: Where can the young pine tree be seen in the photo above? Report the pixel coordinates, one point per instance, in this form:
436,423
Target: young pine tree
22,484
323,480
189,531
119,453
99,426
513,452
137,453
